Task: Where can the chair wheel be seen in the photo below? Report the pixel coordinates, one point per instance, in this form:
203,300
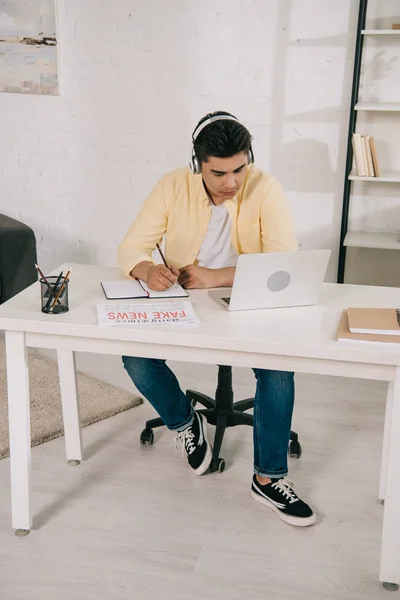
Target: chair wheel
392,587
217,465
147,437
295,449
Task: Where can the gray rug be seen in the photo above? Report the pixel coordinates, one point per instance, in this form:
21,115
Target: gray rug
98,400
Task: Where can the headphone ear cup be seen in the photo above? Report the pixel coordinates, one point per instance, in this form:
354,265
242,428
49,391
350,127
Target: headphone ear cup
196,165
250,156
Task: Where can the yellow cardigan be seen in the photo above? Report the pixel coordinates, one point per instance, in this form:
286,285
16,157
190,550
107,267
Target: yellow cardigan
178,207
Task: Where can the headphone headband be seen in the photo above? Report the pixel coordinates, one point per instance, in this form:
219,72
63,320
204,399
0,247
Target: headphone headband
212,120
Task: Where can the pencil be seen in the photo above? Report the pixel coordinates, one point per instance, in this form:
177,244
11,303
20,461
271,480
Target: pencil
41,274
162,256
61,289
54,292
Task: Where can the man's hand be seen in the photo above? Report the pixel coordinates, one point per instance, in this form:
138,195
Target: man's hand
159,278
192,277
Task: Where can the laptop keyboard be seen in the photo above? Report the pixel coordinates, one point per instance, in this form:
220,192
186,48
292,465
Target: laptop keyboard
226,300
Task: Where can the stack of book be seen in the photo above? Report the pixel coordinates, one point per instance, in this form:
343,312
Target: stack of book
365,156
370,325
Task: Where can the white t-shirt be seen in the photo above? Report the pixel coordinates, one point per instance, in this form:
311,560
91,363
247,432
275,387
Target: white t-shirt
217,250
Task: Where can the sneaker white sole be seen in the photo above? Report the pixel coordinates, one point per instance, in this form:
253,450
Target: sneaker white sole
296,521
208,455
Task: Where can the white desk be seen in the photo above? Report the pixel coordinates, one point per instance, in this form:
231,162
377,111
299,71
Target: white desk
297,339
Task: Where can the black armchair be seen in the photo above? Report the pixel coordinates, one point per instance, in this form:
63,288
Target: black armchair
17,257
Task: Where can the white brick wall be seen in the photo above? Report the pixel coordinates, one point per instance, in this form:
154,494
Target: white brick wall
136,75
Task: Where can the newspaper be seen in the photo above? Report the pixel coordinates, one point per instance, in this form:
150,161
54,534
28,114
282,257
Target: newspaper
160,313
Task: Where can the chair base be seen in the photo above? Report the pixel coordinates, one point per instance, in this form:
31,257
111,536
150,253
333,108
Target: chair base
222,412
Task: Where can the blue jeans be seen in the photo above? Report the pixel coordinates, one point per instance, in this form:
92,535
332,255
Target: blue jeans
273,408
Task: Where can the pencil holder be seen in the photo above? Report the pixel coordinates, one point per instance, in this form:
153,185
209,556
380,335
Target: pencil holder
54,295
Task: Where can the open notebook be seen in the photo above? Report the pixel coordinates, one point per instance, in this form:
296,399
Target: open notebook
134,288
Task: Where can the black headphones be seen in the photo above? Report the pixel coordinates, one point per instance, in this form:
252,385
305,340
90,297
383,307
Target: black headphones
194,163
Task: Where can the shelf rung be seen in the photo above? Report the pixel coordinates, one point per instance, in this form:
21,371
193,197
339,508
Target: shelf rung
378,106
385,177
380,31
372,239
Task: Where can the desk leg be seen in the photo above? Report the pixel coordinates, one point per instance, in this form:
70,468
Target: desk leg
385,444
20,431
70,406
390,553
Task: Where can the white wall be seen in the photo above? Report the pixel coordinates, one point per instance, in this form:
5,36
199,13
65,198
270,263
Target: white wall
136,75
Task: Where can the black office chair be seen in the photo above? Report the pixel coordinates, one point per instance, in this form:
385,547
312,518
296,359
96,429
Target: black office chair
221,412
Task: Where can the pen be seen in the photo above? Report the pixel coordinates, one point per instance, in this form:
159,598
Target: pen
162,256
45,281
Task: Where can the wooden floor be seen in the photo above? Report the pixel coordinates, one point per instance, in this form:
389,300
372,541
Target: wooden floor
132,522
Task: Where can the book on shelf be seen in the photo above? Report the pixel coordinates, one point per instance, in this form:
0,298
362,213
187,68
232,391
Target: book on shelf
395,25
358,155
374,153
370,166
365,155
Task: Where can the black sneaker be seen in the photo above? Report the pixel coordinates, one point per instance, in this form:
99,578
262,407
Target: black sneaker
198,450
280,497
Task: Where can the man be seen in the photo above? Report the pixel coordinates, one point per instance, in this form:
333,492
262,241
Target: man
222,207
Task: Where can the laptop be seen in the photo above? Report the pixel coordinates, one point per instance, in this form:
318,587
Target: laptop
274,280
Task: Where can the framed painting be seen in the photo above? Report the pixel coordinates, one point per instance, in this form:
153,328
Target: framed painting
28,47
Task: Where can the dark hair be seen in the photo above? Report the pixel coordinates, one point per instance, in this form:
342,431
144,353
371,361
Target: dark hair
222,139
